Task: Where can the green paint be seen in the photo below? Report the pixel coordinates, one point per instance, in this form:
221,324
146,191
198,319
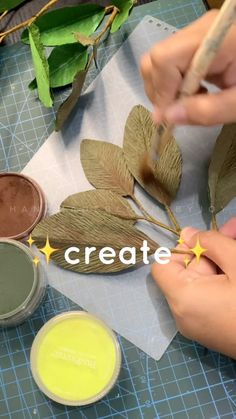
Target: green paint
16,277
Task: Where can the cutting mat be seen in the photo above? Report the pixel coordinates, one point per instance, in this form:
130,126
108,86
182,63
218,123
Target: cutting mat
185,383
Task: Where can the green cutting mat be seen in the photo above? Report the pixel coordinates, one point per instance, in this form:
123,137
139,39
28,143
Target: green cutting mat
187,382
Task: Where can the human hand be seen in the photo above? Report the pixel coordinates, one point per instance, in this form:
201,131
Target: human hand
202,297
164,66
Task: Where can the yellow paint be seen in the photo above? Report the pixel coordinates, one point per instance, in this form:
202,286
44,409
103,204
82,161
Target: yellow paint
76,358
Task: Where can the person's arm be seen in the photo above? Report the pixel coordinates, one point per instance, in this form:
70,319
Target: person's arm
202,297
165,64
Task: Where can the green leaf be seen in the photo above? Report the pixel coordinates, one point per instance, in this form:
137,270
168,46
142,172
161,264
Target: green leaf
92,228
68,105
10,4
100,199
64,63
58,26
40,66
139,131
222,169
105,167
125,7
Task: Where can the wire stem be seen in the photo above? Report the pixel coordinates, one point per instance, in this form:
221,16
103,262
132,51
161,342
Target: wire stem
214,222
3,14
151,219
172,218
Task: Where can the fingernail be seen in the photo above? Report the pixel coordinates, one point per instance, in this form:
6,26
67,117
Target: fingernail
176,114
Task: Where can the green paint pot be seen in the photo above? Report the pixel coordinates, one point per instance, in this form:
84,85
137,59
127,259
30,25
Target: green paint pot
22,283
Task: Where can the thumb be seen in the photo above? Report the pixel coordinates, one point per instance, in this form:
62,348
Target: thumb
218,248
204,109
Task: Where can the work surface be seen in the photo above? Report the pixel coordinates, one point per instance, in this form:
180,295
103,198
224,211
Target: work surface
186,383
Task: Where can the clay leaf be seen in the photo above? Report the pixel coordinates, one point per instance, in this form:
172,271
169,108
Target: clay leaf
100,199
91,228
10,4
222,169
84,40
139,131
105,167
68,105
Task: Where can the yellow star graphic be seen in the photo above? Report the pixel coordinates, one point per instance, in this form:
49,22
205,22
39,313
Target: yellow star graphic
36,261
186,261
180,241
48,250
198,250
30,241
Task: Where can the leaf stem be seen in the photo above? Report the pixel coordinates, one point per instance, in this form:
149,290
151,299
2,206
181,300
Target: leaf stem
159,224
172,218
181,252
214,222
151,219
28,21
3,14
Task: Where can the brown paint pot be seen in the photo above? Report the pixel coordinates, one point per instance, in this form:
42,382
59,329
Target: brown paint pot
22,205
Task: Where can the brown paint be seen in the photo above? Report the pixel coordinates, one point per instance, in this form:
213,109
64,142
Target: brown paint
22,205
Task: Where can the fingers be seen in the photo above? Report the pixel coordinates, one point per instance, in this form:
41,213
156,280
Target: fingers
229,228
219,249
204,109
163,67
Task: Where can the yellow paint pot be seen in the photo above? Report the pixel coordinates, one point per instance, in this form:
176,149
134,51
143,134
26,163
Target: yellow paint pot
75,359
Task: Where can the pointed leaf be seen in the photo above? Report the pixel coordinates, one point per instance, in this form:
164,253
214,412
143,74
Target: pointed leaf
58,26
64,63
139,131
222,169
84,40
125,7
105,167
68,105
95,265
100,199
10,4
92,228
40,66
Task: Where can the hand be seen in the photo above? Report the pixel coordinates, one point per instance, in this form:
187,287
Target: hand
202,297
165,64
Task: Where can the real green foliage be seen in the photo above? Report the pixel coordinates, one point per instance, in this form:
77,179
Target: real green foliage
64,63
10,4
58,26
125,7
40,66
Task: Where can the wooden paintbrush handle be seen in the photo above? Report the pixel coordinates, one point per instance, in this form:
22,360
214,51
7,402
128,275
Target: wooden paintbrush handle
208,49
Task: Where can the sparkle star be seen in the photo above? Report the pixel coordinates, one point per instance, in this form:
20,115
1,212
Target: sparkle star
180,241
30,241
198,250
186,261
36,261
48,250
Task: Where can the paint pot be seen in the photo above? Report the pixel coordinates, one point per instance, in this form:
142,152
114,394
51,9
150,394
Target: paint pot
75,359
22,283
22,205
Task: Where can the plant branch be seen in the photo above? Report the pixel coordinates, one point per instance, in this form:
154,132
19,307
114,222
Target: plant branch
214,222
172,218
182,252
108,24
28,21
3,14
151,219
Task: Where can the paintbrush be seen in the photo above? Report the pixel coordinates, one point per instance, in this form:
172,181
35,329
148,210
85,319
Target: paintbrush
196,73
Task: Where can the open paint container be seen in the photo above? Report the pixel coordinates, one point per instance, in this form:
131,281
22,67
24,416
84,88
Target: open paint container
75,359
22,283
23,205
